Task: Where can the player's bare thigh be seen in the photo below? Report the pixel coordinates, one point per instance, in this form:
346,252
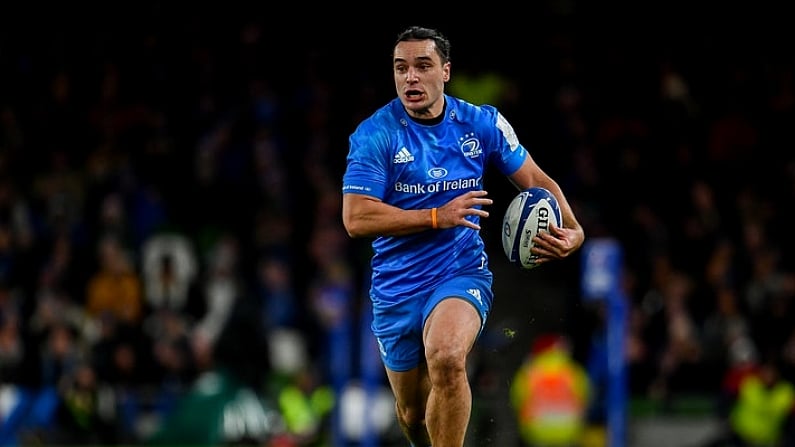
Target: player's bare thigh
451,328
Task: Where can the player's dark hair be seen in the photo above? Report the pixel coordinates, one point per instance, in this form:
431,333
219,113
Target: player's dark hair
415,33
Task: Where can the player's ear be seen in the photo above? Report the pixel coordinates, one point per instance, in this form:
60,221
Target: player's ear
446,72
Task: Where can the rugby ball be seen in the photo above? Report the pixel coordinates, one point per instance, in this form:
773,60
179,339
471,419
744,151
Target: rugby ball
529,213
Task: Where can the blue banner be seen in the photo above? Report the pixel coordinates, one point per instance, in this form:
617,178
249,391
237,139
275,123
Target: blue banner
601,269
602,264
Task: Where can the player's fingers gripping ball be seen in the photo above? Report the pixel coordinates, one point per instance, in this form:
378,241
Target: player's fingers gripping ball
532,211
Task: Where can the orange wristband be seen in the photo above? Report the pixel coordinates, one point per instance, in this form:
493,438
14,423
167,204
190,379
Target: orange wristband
434,222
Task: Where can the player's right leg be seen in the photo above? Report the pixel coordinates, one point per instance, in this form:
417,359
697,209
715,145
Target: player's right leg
450,333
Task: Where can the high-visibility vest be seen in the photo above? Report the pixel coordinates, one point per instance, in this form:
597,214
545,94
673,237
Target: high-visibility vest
303,412
550,394
760,411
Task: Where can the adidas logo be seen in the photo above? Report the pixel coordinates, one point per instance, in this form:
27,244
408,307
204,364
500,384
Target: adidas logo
403,156
476,293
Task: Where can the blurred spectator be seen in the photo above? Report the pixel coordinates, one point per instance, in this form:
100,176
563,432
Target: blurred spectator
7,259
677,350
172,354
63,269
762,412
551,394
60,355
274,286
60,190
306,404
115,287
35,417
768,297
703,226
12,348
53,309
126,377
18,239
222,287
85,414
722,327
332,302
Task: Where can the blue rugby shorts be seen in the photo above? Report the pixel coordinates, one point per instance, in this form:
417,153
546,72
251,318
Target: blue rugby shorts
398,324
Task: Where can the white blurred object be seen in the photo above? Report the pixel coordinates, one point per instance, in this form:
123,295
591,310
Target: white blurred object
288,353
169,268
743,351
357,409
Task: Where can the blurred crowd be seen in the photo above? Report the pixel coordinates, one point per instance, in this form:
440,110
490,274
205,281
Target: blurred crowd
169,199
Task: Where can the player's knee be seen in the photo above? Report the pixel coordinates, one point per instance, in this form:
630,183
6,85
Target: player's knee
411,417
446,362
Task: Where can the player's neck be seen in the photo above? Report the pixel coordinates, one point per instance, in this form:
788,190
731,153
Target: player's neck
431,121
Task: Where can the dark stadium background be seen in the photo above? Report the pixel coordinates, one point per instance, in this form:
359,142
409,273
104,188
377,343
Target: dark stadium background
639,111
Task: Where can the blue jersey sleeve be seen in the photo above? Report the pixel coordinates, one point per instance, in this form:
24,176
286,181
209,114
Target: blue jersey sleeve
507,154
367,170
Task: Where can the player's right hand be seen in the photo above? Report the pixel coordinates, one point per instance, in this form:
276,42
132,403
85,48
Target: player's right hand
455,212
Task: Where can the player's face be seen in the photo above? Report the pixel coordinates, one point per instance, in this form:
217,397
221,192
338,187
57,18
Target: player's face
420,76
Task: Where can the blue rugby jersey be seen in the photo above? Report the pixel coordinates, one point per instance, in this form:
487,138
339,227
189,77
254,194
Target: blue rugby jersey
415,166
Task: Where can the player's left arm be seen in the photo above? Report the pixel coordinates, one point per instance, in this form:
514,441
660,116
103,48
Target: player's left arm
559,242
